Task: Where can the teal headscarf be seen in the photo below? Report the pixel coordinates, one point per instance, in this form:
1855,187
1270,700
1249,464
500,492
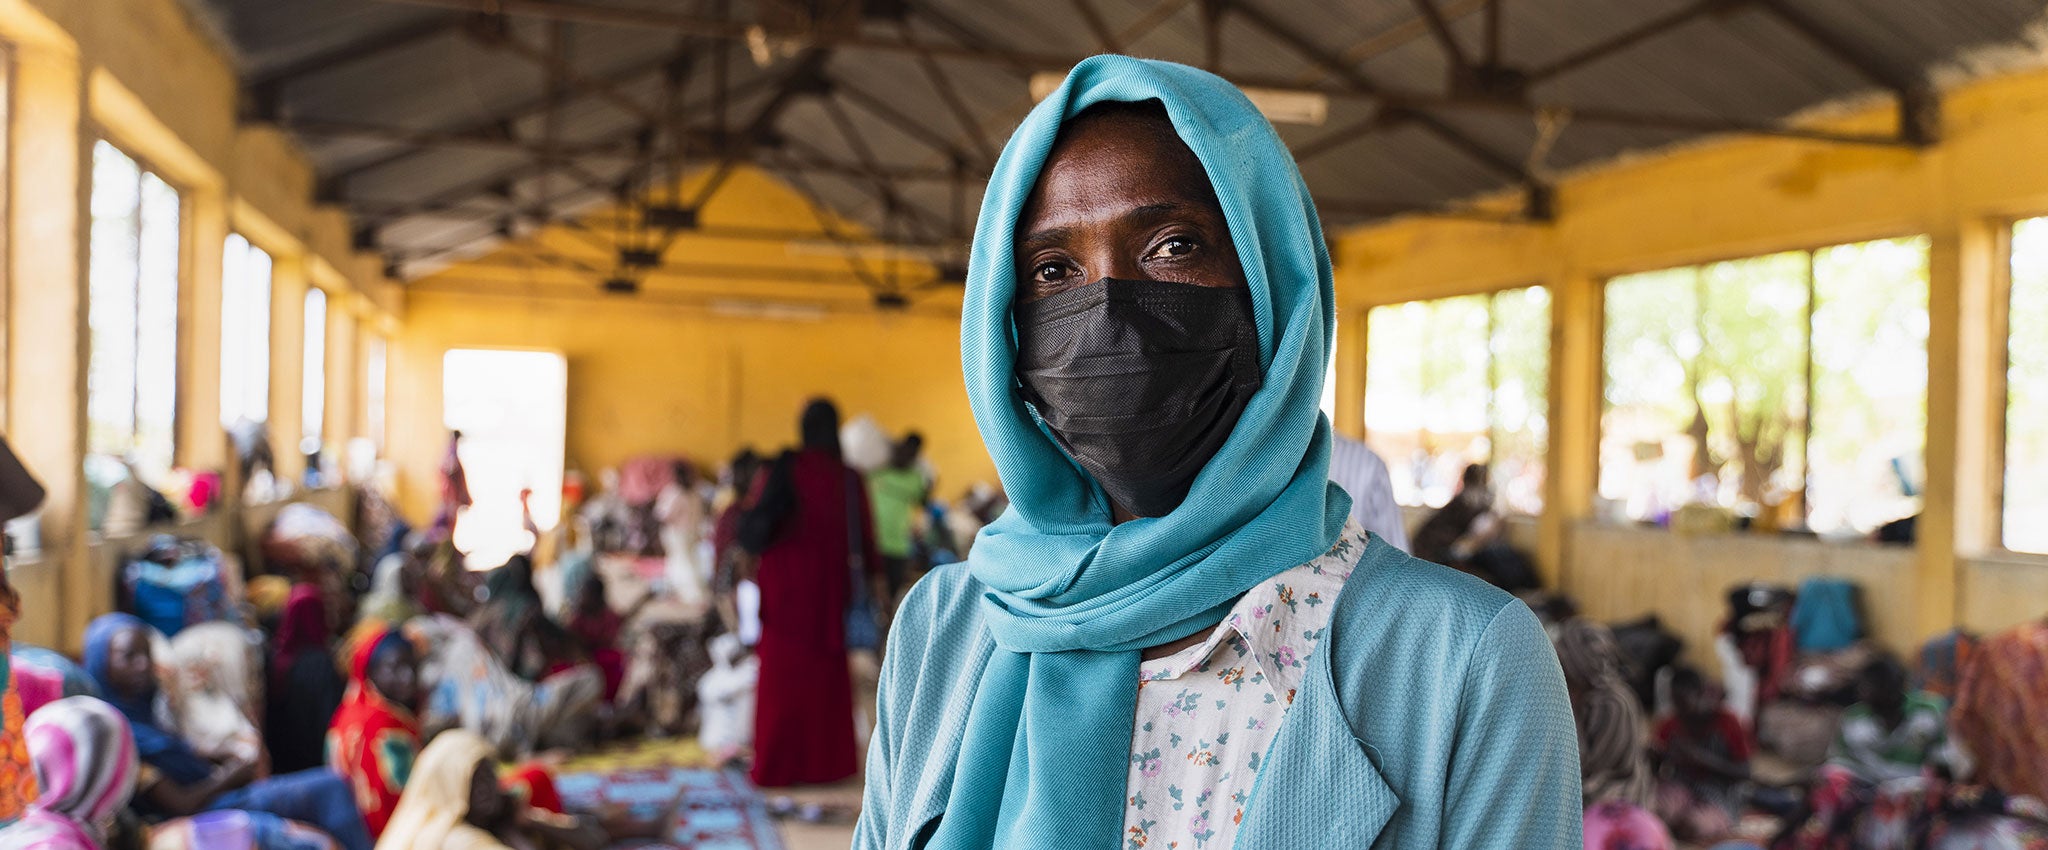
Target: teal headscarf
1072,597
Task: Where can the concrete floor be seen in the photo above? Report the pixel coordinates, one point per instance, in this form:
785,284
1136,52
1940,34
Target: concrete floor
843,797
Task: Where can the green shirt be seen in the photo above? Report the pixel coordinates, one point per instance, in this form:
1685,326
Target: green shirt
894,495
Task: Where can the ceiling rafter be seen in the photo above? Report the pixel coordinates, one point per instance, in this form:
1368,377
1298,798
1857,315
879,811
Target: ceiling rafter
1441,31
660,139
1919,104
944,87
560,72
267,84
1105,38
1630,37
1539,199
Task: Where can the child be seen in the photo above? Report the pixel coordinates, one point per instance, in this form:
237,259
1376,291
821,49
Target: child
1705,755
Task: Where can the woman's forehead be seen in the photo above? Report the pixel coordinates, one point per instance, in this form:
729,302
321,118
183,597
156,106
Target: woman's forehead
1128,161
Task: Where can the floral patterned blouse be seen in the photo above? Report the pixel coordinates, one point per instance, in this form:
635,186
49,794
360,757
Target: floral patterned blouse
1207,714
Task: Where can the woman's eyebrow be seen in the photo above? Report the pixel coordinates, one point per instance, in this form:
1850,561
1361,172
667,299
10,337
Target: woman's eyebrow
1044,238
1163,209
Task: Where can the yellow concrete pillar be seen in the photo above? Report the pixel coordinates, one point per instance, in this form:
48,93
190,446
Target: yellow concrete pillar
46,314
201,442
1351,354
290,280
1964,409
1573,474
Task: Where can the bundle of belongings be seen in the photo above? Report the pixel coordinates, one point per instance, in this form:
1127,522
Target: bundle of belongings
307,544
1647,650
1755,647
725,696
176,583
117,502
305,539
667,657
1826,625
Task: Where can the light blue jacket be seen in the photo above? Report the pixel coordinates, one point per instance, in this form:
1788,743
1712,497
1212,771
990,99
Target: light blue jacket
1435,716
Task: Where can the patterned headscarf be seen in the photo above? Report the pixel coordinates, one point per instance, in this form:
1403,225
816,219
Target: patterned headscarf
85,762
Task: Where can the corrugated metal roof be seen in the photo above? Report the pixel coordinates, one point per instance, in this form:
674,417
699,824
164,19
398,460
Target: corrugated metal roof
421,119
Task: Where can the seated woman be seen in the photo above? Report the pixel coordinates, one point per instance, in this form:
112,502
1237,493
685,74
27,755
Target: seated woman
85,755
1893,732
1613,755
511,620
305,688
1705,756
1890,743
453,802
596,627
175,780
85,761
468,686
1468,534
375,737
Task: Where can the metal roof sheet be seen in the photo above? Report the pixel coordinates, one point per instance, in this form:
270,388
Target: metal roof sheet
421,118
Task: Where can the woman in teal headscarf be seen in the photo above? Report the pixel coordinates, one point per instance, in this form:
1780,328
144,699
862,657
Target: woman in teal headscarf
1173,636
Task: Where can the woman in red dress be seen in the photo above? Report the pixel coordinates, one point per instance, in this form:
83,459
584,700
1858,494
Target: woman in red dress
809,523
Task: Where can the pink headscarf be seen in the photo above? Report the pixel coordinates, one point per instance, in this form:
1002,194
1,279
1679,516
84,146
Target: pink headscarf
302,628
84,756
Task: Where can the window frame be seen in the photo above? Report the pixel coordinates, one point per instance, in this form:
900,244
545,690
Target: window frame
1809,248
269,330
1363,315
181,279
2002,287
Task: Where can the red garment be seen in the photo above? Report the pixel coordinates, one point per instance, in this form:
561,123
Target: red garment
1727,731
2000,706
372,741
599,634
454,488
532,784
803,711
302,628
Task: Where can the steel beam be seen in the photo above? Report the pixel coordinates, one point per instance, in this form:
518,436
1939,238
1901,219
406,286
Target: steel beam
366,46
1441,30
1630,37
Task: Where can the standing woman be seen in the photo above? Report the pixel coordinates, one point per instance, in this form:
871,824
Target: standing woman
810,520
1172,636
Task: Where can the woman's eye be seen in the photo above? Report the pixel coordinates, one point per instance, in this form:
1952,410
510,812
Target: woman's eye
1049,272
1175,247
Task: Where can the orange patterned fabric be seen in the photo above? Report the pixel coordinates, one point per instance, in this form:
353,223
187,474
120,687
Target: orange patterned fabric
1999,706
17,778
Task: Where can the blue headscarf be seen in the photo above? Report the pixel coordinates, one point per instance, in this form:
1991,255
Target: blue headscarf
1072,596
157,748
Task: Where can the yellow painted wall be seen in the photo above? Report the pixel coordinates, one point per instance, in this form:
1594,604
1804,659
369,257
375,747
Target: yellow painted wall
688,366
674,379
142,75
1738,197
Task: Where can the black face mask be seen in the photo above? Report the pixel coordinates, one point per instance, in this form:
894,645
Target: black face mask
1140,381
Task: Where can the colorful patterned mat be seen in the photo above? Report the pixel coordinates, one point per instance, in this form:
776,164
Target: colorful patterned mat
710,809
